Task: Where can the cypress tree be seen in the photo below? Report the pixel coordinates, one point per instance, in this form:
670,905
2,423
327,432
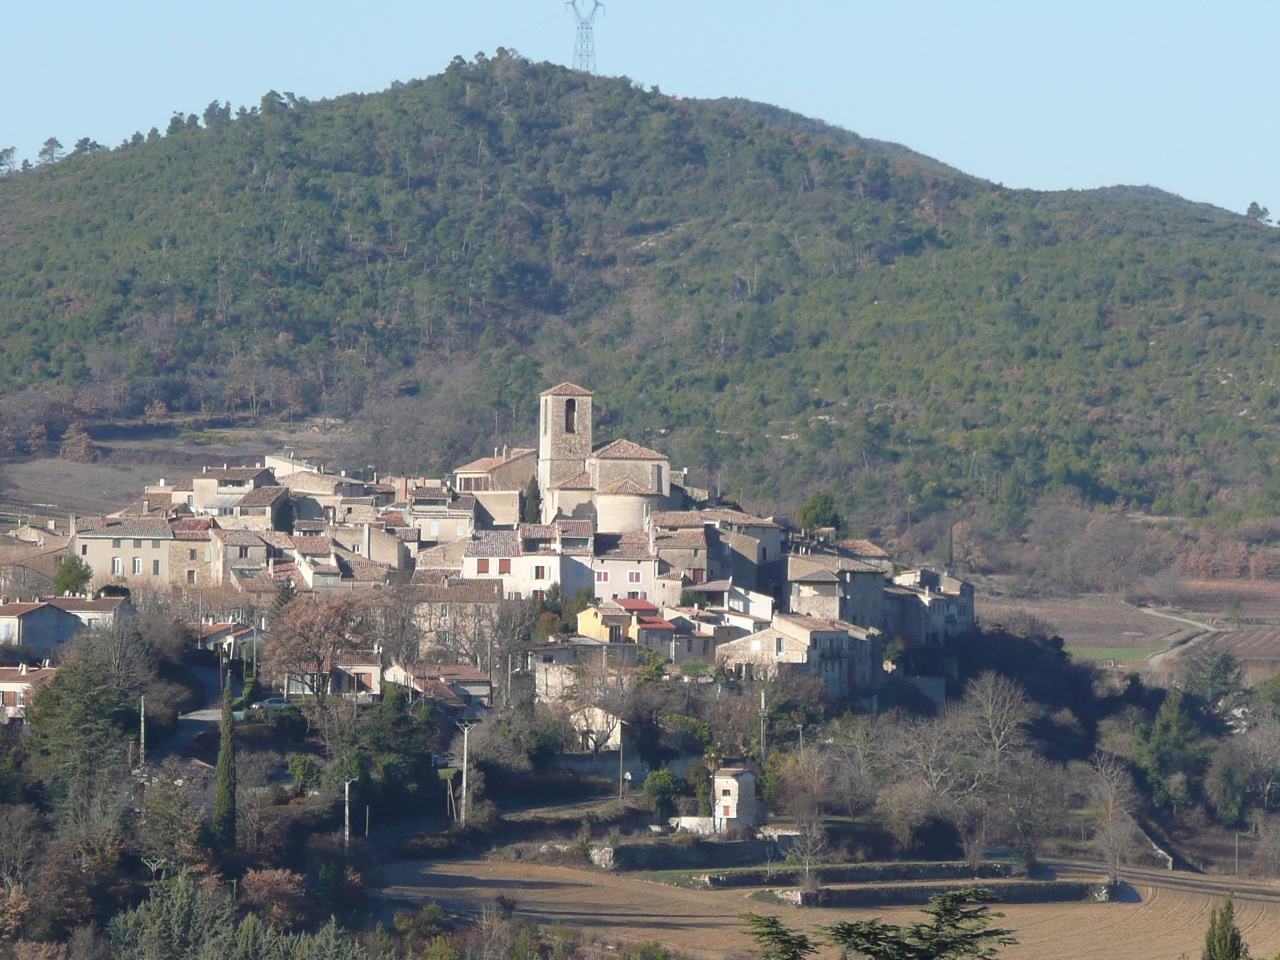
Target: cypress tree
1223,940
532,512
224,797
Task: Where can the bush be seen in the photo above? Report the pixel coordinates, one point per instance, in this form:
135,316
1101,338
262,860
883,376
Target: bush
305,771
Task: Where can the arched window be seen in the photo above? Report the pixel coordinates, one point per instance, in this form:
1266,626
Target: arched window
571,416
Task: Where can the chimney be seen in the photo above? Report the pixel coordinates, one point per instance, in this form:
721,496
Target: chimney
22,670
505,454
368,542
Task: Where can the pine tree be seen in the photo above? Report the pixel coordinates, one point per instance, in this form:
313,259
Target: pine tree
224,798
1223,940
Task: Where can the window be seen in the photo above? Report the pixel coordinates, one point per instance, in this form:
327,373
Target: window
688,645
504,566
602,576
539,573
84,550
191,554
724,792
633,576
191,576
777,646
462,529
117,566
137,544
571,416
155,568
482,565
137,566
191,500
115,544
539,594
244,553
155,544
435,528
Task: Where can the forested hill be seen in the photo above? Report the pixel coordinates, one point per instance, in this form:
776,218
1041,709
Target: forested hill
776,306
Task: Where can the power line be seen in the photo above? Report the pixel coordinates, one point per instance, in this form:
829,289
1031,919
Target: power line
584,50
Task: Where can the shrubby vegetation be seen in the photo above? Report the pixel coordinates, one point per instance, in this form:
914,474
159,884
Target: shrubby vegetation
841,313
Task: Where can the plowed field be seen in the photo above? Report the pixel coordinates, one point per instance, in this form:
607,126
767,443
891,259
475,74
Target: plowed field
1169,919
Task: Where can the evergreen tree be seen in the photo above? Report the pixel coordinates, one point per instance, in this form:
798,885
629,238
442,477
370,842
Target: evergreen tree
775,940
1223,940
73,576
224,798
818,511
532,502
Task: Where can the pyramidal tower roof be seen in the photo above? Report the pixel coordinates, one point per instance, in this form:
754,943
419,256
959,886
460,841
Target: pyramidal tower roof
567,390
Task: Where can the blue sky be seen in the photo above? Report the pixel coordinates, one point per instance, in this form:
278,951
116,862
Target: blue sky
1175,94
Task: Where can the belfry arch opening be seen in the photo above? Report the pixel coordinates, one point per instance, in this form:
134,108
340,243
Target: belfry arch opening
571,416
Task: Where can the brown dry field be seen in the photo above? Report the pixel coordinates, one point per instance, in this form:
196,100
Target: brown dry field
1167,921
1085,621
1225,599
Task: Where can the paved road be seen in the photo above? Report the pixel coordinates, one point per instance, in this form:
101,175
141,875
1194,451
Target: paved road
191,725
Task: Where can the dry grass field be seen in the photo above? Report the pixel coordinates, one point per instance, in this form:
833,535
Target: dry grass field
1165,922
1095,621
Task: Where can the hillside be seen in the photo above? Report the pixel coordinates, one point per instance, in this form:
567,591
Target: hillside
778,305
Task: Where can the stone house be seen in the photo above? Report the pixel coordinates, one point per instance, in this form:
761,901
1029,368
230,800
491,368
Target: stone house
733,790
131,551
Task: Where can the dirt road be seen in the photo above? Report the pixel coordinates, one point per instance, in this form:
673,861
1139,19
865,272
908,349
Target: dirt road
1169,919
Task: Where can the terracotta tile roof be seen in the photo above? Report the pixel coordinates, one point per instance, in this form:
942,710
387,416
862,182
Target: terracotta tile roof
432,576
629,487
537,531
567,390
36,676
712,586
312,546
458,590
137,528
393,518
623,546
457,672
276,539
656,623
194,529
626,450
581,482
576,529
263,496
19,609
684,539
238,538
677,519
862,548
485,464
438,690
495,543
147,505
636,606
71,604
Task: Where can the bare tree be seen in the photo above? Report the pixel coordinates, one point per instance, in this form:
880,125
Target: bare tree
995,712
607,687
20,827
395,626
1112,800
118,654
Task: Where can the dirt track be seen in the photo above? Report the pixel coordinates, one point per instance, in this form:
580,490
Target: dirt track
1168,921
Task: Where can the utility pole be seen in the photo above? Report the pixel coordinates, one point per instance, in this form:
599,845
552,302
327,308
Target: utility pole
762,749
465,727
346,816
621,776
142,731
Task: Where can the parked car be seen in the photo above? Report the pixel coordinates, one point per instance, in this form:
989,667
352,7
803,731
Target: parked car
273,703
